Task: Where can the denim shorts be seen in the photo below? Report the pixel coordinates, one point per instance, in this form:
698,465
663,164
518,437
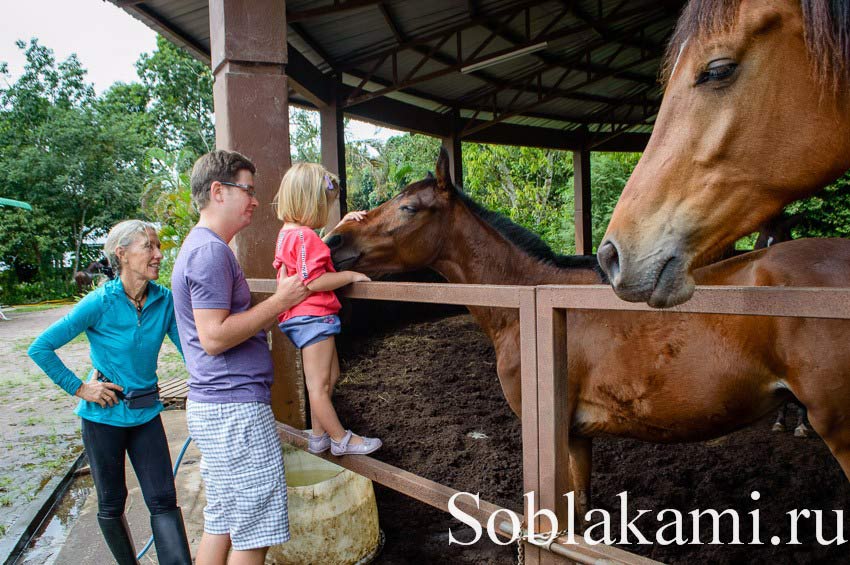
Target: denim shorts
307,330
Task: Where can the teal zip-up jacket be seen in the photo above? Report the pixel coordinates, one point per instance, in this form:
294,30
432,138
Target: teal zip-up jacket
124,347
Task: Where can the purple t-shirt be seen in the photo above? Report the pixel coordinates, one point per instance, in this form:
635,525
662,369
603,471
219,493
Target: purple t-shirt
207,275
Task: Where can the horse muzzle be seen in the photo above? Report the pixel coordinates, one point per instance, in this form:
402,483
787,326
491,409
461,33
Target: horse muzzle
660,278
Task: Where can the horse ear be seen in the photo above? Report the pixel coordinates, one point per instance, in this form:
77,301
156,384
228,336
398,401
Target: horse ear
444,175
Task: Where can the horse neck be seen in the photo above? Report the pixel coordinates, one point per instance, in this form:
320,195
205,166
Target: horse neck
476,253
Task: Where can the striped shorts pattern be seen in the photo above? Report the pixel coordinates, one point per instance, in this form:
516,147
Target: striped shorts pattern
242,469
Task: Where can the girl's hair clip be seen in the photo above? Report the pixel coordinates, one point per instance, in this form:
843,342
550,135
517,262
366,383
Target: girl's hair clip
329,184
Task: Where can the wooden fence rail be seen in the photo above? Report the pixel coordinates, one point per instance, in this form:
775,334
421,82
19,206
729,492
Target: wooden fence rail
542,314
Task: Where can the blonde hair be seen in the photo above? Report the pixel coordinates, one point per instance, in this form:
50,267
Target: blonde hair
123,234
302,196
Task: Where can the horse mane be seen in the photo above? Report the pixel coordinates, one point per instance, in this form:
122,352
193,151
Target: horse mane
827,32
528,241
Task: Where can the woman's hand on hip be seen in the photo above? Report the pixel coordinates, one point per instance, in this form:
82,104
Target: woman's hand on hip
100,392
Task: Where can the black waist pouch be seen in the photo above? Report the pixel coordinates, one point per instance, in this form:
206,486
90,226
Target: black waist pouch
143,398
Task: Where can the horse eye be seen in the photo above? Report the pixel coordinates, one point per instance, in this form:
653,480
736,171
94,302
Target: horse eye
718,70
408,209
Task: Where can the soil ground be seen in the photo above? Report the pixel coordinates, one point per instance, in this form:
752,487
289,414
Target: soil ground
430,391
39,432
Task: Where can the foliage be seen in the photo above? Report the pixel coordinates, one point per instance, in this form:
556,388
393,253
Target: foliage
180,88
533,187
74,159
167,200
58,285
304,135
826,214
608,175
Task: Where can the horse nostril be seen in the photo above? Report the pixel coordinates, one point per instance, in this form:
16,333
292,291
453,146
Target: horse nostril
609,260
334,241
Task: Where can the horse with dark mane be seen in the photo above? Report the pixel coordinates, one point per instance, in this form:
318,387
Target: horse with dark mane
87,276
755,114
653,376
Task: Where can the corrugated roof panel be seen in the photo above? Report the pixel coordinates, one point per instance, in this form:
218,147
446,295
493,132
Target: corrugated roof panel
364,31
606,25
452,86
424,18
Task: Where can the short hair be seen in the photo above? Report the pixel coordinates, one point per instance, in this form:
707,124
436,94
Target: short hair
123,234
219,166
302,195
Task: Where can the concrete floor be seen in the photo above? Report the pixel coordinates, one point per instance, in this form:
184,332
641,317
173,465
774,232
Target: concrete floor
85,543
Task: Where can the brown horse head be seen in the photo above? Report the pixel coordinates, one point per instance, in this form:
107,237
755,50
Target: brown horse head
403,234
755,115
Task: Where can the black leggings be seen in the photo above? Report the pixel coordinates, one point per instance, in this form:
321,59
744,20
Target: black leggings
106,447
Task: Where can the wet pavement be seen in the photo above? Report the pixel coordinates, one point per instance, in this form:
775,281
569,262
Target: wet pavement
83,542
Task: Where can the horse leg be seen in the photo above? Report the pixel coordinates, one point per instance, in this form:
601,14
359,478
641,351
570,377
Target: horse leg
831,423
802,429
779,424
510,377
581,463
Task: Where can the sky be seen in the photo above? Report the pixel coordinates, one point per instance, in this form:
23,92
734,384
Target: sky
107,41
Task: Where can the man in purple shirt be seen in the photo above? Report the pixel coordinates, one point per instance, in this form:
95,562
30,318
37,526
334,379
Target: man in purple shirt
230,369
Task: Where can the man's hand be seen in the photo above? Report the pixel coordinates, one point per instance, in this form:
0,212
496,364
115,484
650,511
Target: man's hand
290,291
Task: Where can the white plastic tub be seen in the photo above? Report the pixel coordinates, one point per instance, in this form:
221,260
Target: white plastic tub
333,517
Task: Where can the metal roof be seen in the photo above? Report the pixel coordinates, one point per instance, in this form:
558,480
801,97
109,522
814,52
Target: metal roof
594,84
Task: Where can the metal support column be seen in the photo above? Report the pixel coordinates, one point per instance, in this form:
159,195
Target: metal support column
581,178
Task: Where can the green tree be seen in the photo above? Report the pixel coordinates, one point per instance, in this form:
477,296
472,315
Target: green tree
167,199
180,90
304,135
608,175
76,161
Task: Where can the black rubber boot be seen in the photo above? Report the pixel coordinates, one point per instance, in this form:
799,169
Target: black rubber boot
169,535
116,532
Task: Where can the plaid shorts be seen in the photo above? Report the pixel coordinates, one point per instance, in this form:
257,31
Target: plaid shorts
242,469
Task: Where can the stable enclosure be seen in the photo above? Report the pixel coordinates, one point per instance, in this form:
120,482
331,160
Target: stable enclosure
578,76
545,437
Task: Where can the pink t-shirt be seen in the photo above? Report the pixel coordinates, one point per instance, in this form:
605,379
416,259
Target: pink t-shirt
300,250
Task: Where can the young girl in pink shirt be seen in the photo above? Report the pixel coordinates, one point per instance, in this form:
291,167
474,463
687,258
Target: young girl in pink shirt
302,204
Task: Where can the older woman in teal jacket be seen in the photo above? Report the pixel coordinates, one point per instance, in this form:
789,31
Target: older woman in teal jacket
125,320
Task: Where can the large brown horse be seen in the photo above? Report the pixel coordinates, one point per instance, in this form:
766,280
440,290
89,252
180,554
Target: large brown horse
756,114
653,376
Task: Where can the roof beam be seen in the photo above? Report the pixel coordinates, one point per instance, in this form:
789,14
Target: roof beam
574,63
158,23
313,44
399,37
516,7
510,112
411,80
451,66
307,80
548,138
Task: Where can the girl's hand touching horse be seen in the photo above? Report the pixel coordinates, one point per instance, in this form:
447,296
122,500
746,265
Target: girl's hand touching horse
356,216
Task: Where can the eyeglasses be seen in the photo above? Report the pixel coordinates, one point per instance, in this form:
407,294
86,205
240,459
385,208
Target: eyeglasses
248,188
